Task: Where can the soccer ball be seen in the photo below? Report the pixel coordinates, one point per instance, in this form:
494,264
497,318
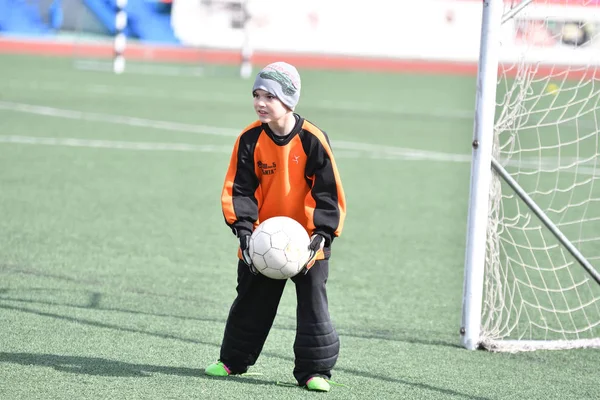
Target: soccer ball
279,247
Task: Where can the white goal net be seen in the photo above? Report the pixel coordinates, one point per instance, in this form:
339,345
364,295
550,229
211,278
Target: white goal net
537,294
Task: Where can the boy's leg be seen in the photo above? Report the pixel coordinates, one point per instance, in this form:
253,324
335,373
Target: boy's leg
250,319
317,343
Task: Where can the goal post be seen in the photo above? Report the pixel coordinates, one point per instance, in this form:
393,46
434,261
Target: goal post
481,173
533,231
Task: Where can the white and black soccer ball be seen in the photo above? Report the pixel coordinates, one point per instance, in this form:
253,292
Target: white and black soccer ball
279,247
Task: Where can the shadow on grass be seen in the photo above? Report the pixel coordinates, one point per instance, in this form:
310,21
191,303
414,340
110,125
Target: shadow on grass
95,298
103,367
84,365
94,365
22,270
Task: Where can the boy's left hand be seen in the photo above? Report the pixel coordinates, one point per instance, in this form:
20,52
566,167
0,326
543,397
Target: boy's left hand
244,239
317,243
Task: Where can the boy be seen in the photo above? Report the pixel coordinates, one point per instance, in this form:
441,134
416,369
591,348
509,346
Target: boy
282,165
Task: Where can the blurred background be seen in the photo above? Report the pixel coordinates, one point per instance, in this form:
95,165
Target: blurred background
331,31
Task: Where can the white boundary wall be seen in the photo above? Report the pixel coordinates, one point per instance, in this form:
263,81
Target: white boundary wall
443,30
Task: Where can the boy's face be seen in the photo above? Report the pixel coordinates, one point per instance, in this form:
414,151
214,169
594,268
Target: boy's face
268,107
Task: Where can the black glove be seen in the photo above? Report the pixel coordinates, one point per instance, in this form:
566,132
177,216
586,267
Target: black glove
317,242
244,238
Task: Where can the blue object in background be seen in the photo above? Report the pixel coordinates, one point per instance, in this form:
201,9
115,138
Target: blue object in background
21,17
105,11
144,20
148,23
147,20
55,14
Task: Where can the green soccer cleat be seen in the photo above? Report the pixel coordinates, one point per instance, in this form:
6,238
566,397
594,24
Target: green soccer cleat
318,384
217,369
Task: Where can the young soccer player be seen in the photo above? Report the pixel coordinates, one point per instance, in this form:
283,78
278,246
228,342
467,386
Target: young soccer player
282,165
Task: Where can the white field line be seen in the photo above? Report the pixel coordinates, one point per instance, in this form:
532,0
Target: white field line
343,149
117,119
199,96
327,105
112,144
186,147
183,147
350,149
141,69
243,101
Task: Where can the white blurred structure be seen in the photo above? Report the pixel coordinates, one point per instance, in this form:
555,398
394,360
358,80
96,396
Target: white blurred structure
445,30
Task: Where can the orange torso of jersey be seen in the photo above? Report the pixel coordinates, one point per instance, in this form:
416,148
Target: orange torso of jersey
283,186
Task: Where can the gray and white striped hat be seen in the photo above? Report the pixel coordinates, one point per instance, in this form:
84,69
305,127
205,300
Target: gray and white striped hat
282,80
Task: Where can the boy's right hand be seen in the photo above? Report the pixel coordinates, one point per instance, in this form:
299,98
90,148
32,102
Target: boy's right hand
244,238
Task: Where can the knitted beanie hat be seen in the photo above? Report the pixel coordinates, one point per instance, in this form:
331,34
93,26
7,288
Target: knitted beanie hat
282,80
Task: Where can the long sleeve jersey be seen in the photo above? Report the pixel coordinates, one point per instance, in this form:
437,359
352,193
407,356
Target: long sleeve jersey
294,176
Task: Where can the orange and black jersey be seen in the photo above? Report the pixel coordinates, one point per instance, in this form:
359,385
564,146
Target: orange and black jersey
294,176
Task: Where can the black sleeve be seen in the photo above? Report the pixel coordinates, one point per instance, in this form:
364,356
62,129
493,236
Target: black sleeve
323,180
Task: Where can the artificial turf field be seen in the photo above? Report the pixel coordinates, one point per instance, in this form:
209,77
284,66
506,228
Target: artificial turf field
117,270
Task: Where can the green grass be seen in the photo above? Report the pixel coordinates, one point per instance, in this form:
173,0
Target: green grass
117,270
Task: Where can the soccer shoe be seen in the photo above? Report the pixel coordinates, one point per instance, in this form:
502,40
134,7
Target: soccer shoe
217,369
318,384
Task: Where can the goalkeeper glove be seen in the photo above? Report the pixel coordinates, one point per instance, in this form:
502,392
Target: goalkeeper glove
317,243
244,238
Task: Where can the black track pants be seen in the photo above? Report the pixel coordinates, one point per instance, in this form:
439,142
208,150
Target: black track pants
251,317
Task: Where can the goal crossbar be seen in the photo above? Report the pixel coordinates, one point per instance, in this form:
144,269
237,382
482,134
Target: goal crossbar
515,10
